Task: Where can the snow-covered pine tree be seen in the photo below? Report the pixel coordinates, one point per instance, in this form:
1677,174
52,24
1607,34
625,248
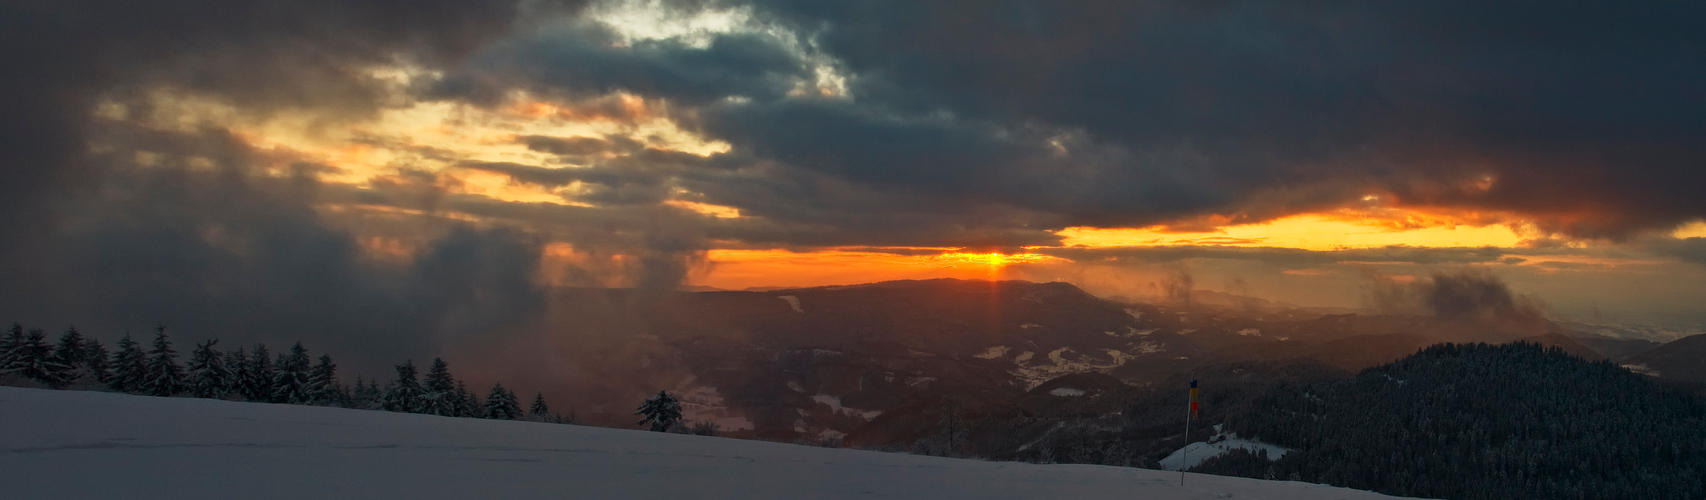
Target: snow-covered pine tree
130,366
501,404
9,347
208,375
467,404
438,391
95,356
69,353
356,393
33,359
323,386
371,397
241,383
260,374
290,383
661,411
165,377
404,395
539,411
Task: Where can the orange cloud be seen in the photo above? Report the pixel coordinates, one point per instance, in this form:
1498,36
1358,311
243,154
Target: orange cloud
1308,232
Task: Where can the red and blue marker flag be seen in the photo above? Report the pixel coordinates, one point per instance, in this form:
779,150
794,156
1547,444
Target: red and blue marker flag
1193,399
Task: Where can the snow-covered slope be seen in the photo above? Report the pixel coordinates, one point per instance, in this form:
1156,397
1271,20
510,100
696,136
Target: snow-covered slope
1195,454
78,445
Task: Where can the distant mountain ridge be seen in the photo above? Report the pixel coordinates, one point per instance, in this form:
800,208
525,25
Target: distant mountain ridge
1682,360
822,363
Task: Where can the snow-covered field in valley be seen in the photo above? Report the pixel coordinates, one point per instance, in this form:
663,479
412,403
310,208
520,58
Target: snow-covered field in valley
88,445
1195,454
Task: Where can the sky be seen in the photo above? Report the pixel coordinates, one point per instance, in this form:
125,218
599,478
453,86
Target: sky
375,173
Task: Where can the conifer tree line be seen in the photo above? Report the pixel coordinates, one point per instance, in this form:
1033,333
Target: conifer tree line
1483,422
76,361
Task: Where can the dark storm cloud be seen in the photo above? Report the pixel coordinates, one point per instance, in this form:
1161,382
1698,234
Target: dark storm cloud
61,54
604,186
590,60
113,227
1582,116
220,252
783,207
958,161
1574,107
580,146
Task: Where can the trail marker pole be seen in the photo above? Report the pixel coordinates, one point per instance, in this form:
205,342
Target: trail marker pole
1185,454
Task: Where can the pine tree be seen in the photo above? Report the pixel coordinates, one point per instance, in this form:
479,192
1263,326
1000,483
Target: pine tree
95,356
476,406
9,347
438,396
661,411
539,411
367,397
323,383
241,382
130,366
290,382
404,395
70,354
501,404
355,393
953,427
467,404
260,374
34,359
208,375
164,376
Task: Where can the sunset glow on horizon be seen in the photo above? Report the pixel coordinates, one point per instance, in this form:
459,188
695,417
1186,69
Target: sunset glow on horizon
377,146
636,143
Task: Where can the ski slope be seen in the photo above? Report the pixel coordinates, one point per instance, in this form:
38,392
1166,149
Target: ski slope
81,445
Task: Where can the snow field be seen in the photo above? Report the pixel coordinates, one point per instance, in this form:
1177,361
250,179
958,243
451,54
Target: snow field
79,445
1195,454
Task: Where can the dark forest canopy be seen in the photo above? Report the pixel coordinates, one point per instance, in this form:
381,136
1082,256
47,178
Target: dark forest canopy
1482,421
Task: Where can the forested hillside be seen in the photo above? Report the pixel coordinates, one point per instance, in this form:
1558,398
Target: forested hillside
1481,421
1682,360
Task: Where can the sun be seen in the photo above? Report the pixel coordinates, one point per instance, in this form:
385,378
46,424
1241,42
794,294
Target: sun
994,260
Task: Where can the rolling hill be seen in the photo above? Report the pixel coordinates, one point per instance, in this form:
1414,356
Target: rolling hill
1681,360
79,445
823,363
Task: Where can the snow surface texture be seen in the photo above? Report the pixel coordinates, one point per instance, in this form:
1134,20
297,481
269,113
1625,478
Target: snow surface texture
1200,452
77,445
